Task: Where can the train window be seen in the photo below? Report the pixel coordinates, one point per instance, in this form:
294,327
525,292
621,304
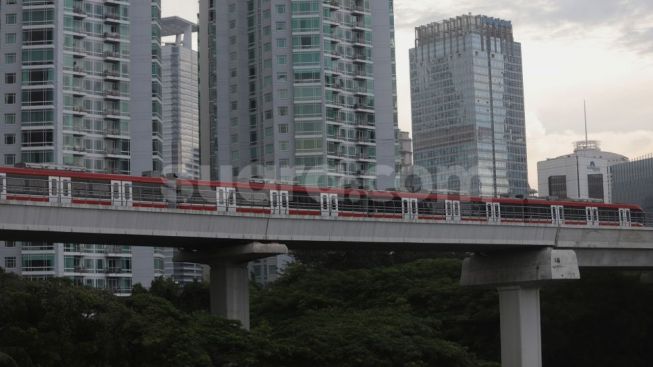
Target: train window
128,191
116,191
54,186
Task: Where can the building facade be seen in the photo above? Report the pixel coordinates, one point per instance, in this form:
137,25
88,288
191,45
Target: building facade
80,83
583,175
181,122
632,182
180,100
468,106
300,91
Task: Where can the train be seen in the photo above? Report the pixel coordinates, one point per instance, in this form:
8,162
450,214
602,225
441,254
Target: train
258,197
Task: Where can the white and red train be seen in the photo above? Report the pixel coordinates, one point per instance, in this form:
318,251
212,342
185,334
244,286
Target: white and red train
81,188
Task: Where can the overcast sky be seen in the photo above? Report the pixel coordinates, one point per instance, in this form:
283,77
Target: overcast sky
599,50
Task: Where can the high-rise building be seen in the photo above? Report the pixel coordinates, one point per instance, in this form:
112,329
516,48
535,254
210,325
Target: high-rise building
180,100
468,106
584,174
181,122
632,183
299,91
81,82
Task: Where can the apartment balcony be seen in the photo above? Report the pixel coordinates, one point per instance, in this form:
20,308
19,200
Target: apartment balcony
79,111
112,37
79,71
79,92
112,18
114,95
112,114
78,52
332,3
358,10
79,12
112,75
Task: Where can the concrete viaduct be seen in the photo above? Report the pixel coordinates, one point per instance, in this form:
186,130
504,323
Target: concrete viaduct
517,259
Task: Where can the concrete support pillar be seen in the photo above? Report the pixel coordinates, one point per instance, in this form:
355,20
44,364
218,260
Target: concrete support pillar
230,291
518,276
229,275
521,344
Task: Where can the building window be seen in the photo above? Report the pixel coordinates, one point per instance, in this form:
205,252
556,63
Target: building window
10,118
10,262
10,139
10,38
282,59
38,262
283,111
595,186
10,78
10,244
10,98
10,19
281,26
10,159
558,186
281,9
10,58
281,42
283,128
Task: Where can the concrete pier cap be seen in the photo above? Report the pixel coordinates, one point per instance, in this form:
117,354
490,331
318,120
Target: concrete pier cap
525,268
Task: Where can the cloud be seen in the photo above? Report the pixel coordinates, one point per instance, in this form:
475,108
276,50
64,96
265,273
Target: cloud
631,21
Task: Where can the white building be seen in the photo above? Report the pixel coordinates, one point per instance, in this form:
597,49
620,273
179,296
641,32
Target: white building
298,91
81,89
584,174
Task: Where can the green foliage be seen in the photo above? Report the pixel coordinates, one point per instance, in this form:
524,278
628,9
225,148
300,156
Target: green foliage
603,320
53,323
408,314
389,316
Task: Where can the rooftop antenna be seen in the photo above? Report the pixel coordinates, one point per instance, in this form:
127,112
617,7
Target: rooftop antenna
585,110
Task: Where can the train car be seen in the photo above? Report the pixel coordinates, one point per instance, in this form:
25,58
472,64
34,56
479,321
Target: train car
260,197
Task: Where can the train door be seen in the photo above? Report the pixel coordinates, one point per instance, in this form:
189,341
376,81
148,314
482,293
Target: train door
226,199
122,193
409,208
279,202
493,212
452,210
3,186
329,205
625,218
557,214
592,216
60,190
66,187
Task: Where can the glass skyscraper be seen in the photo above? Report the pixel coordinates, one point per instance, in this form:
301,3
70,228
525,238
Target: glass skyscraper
181,100
632,183
468,106
298,91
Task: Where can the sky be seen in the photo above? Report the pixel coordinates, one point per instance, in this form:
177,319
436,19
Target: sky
600,51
